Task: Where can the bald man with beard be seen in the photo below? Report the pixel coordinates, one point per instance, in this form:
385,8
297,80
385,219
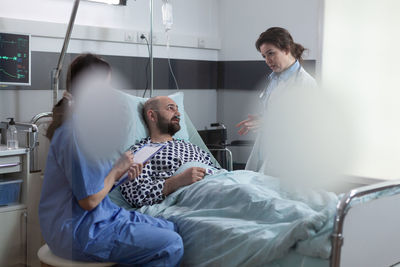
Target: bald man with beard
158,178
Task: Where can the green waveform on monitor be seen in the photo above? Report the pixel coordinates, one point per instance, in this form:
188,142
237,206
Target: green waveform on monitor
8,42
18,76
8,58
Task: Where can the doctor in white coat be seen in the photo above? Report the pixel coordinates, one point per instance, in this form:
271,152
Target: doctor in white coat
283,56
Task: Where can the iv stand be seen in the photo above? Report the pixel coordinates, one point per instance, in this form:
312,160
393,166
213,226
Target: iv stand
55,73
151,50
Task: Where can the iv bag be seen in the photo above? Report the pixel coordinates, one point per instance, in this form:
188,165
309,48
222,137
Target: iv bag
167,15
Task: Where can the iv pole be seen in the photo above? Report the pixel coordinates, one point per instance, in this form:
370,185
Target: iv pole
151,50
55,74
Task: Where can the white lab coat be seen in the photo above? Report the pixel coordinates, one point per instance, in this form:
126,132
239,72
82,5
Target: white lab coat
258,160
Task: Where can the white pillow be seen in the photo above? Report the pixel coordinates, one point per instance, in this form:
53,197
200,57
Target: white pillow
135,122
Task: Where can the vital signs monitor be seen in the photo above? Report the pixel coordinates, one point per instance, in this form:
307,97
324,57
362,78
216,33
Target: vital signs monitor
15,59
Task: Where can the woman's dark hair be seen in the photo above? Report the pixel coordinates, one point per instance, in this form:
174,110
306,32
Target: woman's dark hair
79,65
282,39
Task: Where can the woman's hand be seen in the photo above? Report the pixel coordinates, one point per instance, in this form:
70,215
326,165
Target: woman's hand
251,123
135,170
123,164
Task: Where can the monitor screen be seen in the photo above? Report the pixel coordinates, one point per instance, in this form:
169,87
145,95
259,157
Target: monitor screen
15,59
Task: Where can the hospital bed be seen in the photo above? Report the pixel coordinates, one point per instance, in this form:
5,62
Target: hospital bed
365,228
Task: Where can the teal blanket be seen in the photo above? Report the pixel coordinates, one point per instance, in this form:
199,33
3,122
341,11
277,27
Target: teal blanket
243,218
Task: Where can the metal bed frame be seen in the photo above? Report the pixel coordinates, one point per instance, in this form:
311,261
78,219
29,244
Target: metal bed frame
229,157
344,206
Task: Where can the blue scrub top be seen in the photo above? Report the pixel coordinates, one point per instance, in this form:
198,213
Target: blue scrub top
74,233
69,177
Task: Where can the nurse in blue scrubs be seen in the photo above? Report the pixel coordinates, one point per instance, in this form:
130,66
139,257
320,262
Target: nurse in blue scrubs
283,56
77,219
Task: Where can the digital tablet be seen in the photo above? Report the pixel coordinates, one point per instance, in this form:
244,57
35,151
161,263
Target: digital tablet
141,156
147,152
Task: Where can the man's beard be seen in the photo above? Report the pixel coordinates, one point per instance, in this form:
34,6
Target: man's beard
167,127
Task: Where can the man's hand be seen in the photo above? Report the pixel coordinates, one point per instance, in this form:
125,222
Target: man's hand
188,177
192,175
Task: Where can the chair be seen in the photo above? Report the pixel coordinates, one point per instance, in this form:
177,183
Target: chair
48,259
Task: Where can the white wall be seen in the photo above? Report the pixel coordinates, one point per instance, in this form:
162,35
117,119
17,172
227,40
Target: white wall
101,29
192,20
241,23
229,29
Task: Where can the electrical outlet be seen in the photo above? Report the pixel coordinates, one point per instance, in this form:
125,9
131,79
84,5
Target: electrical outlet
146,34
142,40
130,37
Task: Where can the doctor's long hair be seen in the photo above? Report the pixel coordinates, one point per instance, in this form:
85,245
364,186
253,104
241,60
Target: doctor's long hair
282,39
79,65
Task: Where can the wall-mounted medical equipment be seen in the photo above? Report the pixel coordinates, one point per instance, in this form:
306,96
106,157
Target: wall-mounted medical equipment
15,59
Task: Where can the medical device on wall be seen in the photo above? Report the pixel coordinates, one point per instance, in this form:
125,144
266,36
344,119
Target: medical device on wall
167,17
15,59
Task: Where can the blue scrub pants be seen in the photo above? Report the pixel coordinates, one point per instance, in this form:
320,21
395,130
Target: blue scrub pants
145,241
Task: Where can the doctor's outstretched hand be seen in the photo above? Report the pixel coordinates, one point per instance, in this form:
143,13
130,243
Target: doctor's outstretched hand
252,123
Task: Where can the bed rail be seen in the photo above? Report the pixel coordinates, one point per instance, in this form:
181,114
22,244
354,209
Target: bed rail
34,161
341,211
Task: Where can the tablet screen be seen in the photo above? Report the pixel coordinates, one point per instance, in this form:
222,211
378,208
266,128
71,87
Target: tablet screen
147,152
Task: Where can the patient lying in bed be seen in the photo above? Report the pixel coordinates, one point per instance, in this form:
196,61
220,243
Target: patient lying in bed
239,218
158,177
